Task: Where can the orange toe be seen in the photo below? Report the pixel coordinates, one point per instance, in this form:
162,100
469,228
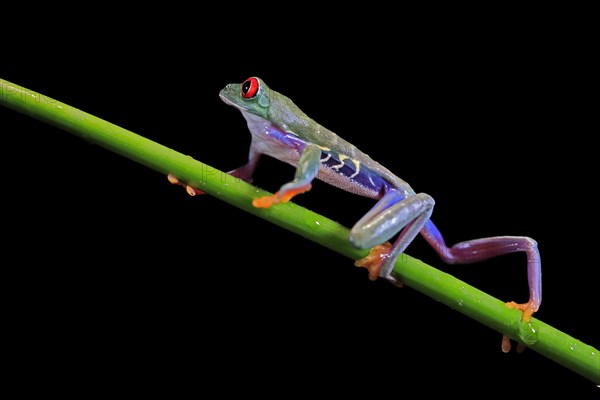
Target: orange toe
190,190
505,344
172,179
265,202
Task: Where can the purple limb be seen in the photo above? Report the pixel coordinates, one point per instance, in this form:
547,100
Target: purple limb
482,249
246,171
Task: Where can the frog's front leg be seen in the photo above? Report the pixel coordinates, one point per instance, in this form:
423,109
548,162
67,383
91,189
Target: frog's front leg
392,213
307,170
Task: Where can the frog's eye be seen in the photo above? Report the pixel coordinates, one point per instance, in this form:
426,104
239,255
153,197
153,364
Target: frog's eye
249,88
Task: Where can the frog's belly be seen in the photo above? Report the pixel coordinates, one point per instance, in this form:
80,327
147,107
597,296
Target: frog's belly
362,184
279,151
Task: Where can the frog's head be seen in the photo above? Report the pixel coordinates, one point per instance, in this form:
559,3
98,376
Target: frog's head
251,96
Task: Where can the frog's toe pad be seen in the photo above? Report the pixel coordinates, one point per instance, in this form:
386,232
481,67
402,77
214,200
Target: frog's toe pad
506,346
190,190
372,262
173,180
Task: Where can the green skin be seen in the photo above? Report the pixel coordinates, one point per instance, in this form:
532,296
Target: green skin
281,130
277,110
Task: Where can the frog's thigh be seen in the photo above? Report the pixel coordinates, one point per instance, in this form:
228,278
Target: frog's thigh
388,217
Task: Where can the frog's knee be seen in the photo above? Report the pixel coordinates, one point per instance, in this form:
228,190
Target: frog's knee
361,239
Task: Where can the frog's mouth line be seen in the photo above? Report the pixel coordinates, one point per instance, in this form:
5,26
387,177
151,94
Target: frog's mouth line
231,103
225,99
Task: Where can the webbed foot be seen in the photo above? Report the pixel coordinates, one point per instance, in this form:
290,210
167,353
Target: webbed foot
526,308
268,201
374,260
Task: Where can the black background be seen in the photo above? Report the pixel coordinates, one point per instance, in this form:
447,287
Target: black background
110,263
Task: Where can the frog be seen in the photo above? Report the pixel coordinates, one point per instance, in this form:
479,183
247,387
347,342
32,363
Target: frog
280,129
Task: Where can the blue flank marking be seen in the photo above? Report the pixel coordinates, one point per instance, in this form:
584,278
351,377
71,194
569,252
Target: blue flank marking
287,139
376,183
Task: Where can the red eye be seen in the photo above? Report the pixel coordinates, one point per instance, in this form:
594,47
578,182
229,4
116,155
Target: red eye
249,88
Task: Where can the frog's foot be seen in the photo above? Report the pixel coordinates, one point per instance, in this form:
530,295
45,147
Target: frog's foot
526,308
190,190
506,346
374,260
268,201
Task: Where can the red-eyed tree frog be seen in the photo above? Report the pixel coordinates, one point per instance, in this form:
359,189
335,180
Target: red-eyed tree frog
281,130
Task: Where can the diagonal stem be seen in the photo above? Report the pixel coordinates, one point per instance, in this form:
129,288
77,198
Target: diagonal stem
540,337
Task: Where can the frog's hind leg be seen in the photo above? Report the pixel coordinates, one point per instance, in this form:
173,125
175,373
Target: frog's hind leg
482,249
393,213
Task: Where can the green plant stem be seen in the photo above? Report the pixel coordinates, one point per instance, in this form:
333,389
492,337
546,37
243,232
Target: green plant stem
540,337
